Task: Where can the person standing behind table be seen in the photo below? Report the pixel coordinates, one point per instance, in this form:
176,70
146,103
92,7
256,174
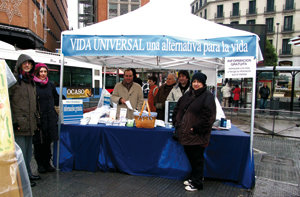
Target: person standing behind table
264,92
162,94
152,92
193,118
22,97
236,95
181,87
47,98
127,90
226,91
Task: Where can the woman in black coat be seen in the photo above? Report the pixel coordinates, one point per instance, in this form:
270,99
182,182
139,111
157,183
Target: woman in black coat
47,98
193,118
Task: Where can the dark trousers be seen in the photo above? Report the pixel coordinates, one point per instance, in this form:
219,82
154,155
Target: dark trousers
42,154
195,154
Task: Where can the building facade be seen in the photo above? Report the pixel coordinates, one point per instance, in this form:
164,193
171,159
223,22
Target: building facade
93,11
33,24
279,16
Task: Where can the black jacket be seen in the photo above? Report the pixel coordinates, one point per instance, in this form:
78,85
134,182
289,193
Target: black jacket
197,110
264,92
47,98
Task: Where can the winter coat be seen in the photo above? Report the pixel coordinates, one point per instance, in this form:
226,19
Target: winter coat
151,95
134,95
23,104
176,93
226,91
197,110
264,92
236,94
160,98
47,98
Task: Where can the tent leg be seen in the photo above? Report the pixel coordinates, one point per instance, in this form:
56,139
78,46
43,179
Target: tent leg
252,115
60,108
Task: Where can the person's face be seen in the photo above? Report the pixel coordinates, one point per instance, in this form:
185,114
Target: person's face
197,84
151,83
265,85
27,66
43,73
170,80
182,79
128,76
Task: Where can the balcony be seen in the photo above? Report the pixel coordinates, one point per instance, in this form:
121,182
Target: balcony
219,16
271,31
288,8
288,30
234,14
269,10
286,53
251,12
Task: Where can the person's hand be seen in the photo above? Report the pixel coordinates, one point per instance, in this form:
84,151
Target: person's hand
122,101
16,127
158,105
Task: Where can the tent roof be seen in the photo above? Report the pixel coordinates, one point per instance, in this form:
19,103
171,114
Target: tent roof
160,18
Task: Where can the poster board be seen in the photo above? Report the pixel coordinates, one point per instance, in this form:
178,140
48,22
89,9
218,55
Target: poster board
72,111
169,109
10,182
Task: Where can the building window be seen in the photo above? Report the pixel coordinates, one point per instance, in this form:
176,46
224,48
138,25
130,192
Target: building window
288,23
286,47
270,24
120,7
289,4
235,9
205,13
234,22
250,22
270,6
193,9
220,11
200,3
271,42
252,7
97,72
197,6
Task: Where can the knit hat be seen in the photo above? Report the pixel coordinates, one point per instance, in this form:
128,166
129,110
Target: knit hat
37,66
201,77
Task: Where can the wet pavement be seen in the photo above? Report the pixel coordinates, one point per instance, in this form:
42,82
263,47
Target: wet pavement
277,169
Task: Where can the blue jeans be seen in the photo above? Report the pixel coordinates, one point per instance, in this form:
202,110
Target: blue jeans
25,143
263,103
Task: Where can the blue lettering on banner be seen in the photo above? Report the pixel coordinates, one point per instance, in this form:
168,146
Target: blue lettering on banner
147,45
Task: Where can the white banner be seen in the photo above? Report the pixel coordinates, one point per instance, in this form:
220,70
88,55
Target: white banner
240,67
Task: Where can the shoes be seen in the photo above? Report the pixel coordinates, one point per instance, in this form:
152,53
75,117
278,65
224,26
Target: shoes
34,177
41,169
193,188
49,168
190,188
187,182
32,183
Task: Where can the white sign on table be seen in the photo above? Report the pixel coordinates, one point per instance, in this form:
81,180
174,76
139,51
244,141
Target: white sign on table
240,67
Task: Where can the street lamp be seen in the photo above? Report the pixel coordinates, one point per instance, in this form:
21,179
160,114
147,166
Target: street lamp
277,37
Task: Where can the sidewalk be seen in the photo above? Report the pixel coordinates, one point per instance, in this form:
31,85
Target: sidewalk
277,168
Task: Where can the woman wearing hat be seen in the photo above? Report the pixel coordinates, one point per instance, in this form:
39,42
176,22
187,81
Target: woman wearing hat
47,98
193,118
22,97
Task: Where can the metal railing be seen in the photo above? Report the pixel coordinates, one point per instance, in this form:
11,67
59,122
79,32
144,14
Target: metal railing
267,121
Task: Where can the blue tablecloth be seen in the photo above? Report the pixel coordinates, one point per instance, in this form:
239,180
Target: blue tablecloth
153,152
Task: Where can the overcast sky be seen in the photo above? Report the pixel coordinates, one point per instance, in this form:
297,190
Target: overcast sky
72,11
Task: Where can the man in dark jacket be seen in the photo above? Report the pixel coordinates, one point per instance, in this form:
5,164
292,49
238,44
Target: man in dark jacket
193,118
162,94
264,94
22,97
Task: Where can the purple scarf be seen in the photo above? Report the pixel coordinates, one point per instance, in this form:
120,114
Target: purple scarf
40,81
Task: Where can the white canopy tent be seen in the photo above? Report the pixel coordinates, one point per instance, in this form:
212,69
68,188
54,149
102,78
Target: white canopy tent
162,34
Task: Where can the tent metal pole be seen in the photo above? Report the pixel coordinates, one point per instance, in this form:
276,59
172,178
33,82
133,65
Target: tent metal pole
60,106
252,114
216,83
104,78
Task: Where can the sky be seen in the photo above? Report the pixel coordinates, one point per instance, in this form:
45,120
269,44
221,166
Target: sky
72,12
